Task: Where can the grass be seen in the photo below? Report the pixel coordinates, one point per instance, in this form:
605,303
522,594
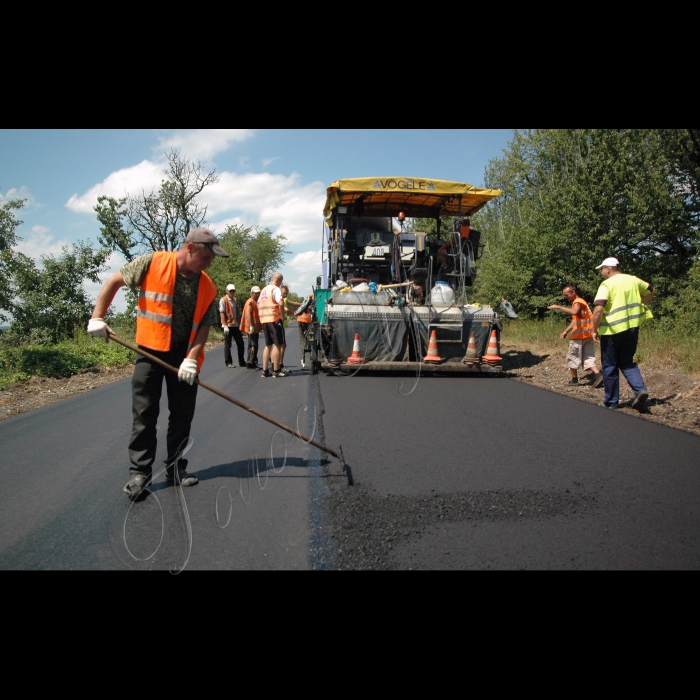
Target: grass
69,356
658,346
62,360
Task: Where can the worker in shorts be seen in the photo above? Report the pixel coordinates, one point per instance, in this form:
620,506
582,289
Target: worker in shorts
271,309
581,352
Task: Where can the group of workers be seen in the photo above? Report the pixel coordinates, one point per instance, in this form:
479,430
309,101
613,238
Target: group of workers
614,323
266,311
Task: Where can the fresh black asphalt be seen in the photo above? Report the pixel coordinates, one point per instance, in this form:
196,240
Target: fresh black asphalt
448,473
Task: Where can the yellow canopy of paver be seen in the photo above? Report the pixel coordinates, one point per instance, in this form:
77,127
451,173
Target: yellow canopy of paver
416,197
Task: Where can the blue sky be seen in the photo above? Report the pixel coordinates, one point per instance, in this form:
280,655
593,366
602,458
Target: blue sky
269,177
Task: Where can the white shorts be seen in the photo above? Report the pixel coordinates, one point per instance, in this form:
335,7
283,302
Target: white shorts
581,354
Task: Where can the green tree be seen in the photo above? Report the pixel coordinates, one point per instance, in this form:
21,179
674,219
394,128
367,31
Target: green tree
8,238
50,301
111,214
682,147
255,255
573,197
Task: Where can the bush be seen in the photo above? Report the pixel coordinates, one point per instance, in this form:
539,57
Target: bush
62,360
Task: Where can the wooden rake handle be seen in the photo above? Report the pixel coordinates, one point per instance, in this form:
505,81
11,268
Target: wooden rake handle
153,358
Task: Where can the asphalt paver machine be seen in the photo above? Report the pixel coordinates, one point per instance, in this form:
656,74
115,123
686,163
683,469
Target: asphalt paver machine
392,300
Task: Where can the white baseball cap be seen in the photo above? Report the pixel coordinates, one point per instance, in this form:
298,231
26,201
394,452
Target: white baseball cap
254,289
231,286
608,262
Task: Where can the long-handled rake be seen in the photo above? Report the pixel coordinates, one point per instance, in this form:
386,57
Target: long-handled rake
338,455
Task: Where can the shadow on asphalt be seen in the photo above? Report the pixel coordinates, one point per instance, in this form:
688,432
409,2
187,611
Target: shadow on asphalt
514,359
246,469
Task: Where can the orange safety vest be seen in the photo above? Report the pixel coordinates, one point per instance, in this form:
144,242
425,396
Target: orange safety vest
270,311
304,318
229,314
255,327
154,316
583,327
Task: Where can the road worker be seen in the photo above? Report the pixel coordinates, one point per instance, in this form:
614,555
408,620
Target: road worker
250,324
228,310
617,316
271,309
177,306
581,346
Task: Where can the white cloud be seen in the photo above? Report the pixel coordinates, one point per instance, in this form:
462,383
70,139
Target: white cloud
276,201
21,193
144,176
202,144
39,243
267,161
279,202
301,271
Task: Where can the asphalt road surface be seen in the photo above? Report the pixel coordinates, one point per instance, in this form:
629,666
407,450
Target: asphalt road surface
447,473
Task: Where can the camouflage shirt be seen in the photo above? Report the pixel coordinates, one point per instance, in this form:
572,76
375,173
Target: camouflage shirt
184,298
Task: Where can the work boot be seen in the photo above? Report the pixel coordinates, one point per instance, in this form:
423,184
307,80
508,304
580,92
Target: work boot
183,478
573,380
598,381
136,484
640,401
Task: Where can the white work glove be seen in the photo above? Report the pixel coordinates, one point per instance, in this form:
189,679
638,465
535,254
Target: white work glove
187,371
98,328
225,329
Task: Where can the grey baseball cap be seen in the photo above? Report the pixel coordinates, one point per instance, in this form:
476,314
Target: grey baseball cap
204,235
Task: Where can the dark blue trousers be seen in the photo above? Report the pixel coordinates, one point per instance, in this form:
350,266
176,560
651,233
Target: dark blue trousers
617,353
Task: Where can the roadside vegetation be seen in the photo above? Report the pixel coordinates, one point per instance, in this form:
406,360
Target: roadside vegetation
22,361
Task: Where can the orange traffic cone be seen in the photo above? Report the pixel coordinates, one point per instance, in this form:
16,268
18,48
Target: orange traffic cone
492,356
471,357
432,355
355,358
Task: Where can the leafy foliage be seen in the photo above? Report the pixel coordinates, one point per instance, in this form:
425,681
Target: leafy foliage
61,360
255,255
51,302
573,197
8,238
113,236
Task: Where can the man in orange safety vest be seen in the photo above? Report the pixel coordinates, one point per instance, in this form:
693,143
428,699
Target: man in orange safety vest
177,305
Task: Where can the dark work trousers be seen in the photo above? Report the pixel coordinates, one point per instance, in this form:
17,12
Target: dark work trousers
146,388
253,348
234,333
617,353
